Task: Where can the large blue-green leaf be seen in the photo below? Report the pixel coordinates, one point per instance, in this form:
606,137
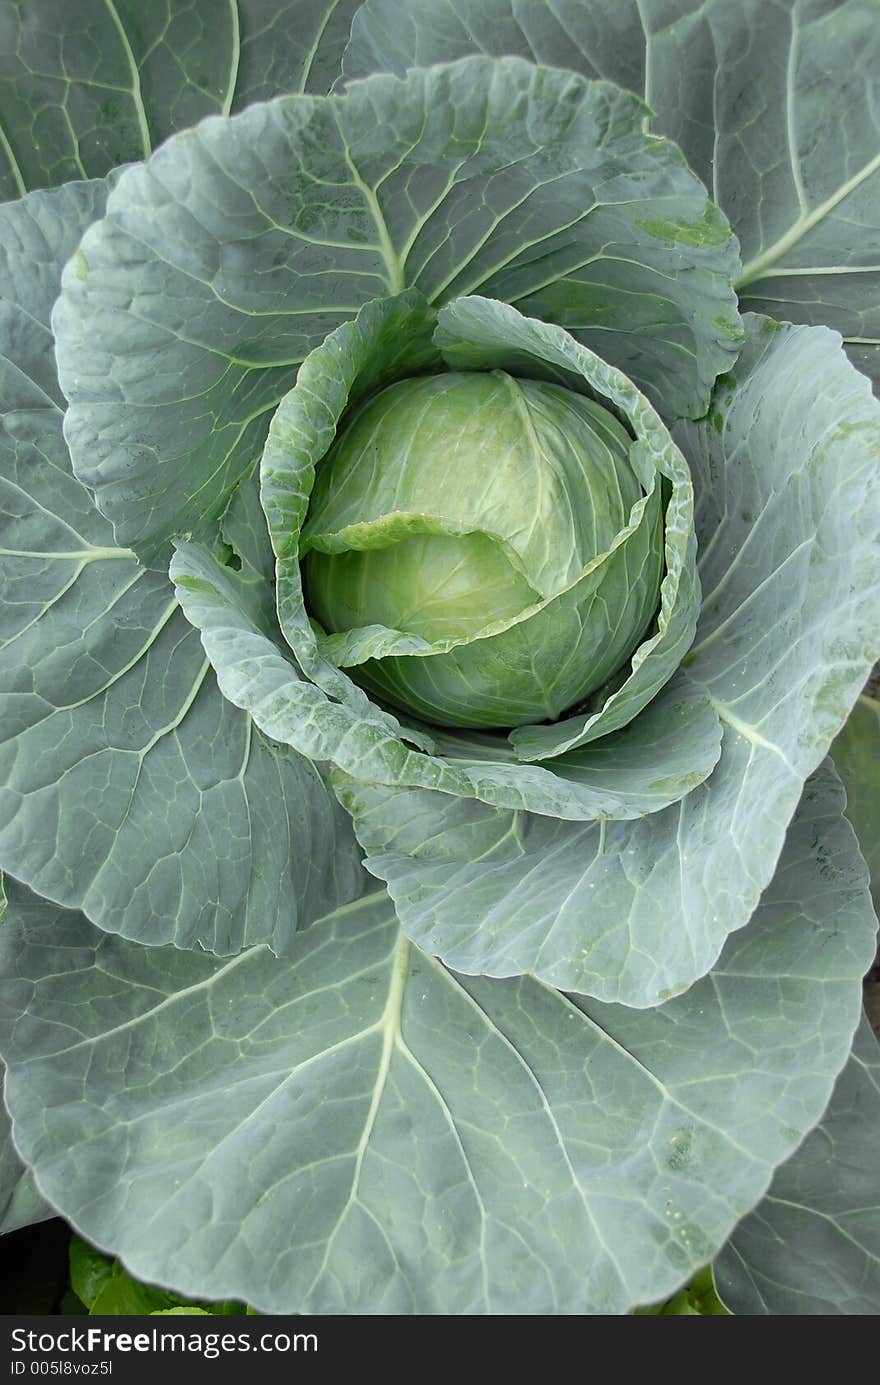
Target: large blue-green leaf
813,1245
605,39
20,1203
128,786
357,1130
232,252
774,106
788,516
856,754
85,88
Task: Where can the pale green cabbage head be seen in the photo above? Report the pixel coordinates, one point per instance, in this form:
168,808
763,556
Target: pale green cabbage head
499,520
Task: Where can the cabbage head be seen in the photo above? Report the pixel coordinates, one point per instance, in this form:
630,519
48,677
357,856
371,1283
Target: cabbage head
501,522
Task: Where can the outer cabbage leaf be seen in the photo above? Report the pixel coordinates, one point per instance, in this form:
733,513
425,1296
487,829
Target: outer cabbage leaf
356,1129
20,1203
80,97
856,754
233,251
773,105
128,786
788,518
813,1245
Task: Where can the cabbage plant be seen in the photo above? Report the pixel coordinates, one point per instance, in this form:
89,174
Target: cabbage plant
440,516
